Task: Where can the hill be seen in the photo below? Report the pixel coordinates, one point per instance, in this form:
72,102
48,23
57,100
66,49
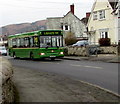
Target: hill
23,27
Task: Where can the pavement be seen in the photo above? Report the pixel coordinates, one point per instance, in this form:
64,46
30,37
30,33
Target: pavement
111,58
34,86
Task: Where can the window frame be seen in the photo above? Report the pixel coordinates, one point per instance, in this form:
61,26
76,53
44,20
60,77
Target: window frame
95,15
101,14
103,34
55,41
65,27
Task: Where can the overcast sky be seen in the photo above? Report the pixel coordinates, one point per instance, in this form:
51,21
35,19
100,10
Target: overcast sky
22,11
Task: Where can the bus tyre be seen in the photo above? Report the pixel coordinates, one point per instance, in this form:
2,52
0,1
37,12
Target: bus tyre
31,56
14,56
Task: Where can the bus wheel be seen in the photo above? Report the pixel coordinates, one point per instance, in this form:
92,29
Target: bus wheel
52,59
14,56
31,56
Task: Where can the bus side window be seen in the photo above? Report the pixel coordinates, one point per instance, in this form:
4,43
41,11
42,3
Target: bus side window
14,43
18,42
27,43
22,42
36,41
10,42
31,41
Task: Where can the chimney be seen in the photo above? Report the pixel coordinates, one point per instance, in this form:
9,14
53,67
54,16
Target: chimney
72,8
88,14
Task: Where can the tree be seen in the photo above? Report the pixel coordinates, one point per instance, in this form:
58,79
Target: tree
70,38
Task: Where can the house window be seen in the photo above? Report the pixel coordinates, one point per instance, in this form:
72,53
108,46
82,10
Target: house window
102,14
65,27
104,34
94,15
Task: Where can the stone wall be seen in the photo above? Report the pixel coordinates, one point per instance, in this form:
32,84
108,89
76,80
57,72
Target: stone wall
83,51
79,51
110,49
6,85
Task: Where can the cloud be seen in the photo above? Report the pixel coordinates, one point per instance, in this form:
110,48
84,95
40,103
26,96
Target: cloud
19,11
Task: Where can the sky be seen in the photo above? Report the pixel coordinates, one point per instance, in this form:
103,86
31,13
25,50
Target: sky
27,11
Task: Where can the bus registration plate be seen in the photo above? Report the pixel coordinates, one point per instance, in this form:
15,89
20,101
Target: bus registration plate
52,56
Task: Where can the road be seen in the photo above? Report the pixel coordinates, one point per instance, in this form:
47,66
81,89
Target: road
99,73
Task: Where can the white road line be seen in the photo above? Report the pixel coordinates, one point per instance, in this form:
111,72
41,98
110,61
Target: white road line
49,63
87,66
46,62
94,67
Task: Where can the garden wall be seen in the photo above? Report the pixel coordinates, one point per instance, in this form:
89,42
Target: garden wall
84,51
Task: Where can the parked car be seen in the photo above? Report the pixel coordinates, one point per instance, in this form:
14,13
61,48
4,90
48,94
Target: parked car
3,50
81,43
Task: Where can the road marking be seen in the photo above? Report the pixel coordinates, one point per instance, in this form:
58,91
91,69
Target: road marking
46,62
75,65
49,63
87,66
94,67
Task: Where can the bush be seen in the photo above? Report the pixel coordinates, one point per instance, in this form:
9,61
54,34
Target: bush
104,42
70,38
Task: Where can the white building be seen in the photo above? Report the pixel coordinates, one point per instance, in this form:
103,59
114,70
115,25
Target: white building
2,41
102,22
116,14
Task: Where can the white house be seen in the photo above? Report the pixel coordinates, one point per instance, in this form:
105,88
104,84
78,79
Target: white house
116,14
2,40
102,22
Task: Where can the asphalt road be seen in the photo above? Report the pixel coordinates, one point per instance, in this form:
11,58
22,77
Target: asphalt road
99,73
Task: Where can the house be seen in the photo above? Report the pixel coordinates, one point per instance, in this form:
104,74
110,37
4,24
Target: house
85,19
68,23
3,40
116,13
118,18
102,23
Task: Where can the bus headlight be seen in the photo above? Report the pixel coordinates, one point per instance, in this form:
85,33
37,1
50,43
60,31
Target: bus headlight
42,53
61,53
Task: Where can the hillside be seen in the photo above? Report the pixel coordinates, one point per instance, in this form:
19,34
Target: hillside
23,27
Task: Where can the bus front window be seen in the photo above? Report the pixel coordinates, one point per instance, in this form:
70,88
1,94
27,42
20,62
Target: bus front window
51,41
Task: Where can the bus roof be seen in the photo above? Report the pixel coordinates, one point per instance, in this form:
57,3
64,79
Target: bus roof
32,33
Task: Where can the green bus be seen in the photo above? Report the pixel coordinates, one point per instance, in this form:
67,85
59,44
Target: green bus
37,44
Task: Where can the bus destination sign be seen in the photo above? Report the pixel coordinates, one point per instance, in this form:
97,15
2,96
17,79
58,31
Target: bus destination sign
51,33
